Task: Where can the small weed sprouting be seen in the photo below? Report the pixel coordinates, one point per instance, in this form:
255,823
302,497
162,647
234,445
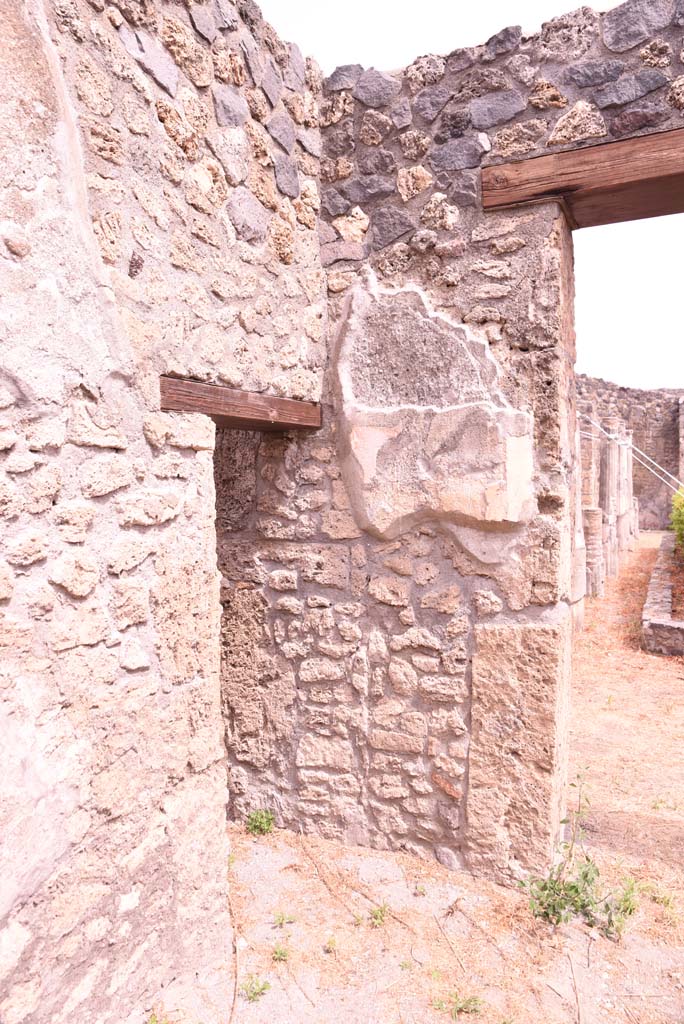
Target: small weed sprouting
280,920
420,890
455,1005
572,887
330,945
280,954
358,920
405,965
677,519
377,915
260,823
254,988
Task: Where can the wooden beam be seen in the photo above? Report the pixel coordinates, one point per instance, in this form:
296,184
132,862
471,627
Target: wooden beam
615,181
244,410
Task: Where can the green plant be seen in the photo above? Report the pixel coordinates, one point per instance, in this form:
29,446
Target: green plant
455,1005
280,920
377,915
572,888
280,955
420,890
260,823
254,988
330,945
677,519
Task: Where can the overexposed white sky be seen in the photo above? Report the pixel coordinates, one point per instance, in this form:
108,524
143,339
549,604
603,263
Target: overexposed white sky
630,277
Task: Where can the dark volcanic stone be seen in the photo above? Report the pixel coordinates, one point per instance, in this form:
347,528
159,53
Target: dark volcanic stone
430,101
369,186
230,106
503,42
151,57
630,88
486,111
249,217
645,115
594,72
281,128
400,114
226,15
287,176
376,89
453,124
295,72
203,22
389,224
376,161
679,14
334,203
272,83
340,142
457,155
336,252
310,140
634,22
344,77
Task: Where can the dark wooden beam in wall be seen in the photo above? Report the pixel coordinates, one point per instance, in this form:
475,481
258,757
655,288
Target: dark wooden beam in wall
615,181
245,410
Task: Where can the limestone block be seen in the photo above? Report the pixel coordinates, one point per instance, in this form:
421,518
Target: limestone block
6,581
149,508
521,676
581,122
325,752
389,590
74,519
425,433
130,603
27,548
79,626
77,574
93,427
103,475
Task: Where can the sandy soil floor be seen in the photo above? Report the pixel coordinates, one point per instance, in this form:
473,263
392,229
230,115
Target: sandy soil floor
378,938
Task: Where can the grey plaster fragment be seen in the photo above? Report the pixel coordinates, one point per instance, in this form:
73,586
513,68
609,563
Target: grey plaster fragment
272,83
370,186
281,128
230,106
430,101
376,89
634,22
400,114
203,22
294,75
629,88
151,57
503,42
226,15
310,140
334,203
336,252
457,155
287,176
344,77
594,72
249,217
389,224
497,107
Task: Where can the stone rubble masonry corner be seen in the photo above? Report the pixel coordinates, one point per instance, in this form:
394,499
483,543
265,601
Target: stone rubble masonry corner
518,752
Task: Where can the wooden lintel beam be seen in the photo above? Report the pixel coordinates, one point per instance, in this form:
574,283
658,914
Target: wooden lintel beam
244,410
603,184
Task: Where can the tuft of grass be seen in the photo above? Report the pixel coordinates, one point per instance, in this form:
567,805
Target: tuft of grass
330,945
455,1005
573,888
280,920
280,954
377,915
420,890
677,519
254,988
260,823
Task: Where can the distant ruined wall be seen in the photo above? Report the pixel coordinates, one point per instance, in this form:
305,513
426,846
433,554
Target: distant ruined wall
158,216
654,418
366,628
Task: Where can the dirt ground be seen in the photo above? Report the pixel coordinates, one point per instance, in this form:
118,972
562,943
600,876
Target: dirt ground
369,937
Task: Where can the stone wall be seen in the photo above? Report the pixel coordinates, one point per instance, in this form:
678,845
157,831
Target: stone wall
653,418
158,215
383,653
